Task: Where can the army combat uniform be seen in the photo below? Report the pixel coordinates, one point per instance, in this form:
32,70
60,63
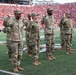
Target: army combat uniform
35,40
7,30
28,34
61,33
68,30
48,21
17,41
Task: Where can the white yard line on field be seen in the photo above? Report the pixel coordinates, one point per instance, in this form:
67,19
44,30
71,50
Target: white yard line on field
11,73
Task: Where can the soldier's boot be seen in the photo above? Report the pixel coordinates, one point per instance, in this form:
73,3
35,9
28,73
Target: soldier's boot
53,57
20,68
29,54
69,52
10,57
36,62
62,47
50,57
15,68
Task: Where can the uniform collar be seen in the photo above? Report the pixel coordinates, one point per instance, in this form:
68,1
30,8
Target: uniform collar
16,19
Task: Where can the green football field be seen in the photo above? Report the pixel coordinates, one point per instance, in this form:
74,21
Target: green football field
63,65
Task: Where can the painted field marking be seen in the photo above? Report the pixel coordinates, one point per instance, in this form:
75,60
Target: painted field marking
11,73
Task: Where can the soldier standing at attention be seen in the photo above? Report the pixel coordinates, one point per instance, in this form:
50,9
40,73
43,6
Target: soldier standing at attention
68,30
61,33
16,23
7,30
48,21
28,34
35,38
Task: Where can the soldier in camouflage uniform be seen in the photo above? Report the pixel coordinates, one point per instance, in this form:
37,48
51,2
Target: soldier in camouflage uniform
7,30
68,30
28,34
48,21
16,23
61,33
35,38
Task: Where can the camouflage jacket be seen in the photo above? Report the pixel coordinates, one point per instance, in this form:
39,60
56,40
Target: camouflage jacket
67,25
16,29
61,25
48,21
35,30
28,28
7,28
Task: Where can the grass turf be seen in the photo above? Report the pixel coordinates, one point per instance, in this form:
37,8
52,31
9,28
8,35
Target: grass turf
63,65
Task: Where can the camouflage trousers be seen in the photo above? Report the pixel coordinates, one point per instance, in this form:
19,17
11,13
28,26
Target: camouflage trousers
71,39
67,42
8,44
50,41
17,52
62,39
35,48
29,48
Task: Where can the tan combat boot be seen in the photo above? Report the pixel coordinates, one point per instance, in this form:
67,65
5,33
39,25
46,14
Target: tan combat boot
53,57
35,62
20,68
69,52
49,57
63,47
30,54
15,69
10,58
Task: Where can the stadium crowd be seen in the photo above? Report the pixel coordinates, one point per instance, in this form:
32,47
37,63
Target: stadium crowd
16,17
59,10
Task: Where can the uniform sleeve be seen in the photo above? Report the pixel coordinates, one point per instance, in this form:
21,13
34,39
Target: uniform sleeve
60,23
53,20
5,22
72,27
25,23
6,25
43,20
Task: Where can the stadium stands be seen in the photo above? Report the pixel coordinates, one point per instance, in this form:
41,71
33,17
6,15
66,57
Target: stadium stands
59,10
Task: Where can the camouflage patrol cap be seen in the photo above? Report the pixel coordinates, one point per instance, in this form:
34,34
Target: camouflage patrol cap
17,12
69,13
34,14
29,15
49,9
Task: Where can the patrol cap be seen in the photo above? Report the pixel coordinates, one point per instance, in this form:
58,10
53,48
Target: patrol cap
69,13
17,12
49,9
34,14
29,15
